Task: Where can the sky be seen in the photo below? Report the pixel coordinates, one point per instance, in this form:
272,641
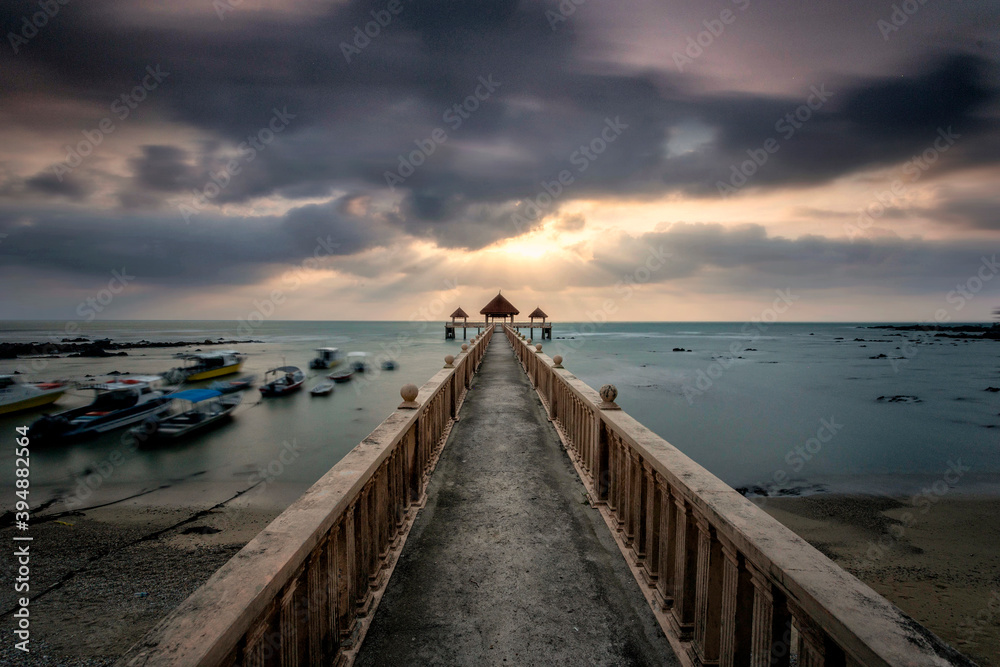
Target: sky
396,159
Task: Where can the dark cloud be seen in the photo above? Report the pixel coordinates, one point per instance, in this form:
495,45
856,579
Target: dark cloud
64,186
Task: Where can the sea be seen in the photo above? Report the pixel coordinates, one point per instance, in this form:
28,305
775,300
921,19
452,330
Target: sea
775,410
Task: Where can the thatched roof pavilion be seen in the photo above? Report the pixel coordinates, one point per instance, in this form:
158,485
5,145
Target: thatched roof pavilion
537,312
459,313
499,308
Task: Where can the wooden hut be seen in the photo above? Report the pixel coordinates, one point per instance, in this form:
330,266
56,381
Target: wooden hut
537,312
499,309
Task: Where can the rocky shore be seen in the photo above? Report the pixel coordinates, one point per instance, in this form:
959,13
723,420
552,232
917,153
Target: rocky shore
83,347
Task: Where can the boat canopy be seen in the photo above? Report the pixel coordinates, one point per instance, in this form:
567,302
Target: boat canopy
285,369
196,395
357,354
328,349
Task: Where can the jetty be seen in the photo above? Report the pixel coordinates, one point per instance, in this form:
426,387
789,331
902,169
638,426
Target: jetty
508,513
499,309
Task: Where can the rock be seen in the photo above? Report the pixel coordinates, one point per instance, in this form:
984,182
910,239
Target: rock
993,389
878,356
898,399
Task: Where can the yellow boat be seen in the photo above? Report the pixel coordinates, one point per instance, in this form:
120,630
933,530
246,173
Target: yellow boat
16,395
207,365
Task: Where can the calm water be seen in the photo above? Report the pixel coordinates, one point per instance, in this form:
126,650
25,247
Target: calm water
758,420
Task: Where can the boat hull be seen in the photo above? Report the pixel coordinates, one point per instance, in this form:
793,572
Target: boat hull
214,372
30,402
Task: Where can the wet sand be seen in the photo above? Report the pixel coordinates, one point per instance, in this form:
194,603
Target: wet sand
102,578
941,566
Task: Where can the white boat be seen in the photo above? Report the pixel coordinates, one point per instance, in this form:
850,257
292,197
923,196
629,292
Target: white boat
196,410
326,357
358,361
205,366
287,380
119,402
16,395
322,389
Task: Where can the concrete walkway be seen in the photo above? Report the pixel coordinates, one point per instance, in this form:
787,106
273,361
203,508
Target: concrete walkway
507,564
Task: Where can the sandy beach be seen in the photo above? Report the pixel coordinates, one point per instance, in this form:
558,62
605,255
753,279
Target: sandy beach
104,577
942,566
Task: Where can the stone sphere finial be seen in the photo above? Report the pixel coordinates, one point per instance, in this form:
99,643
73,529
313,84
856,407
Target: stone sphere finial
409,393
557,361
449,361
538,348
465,346
609,393
528,341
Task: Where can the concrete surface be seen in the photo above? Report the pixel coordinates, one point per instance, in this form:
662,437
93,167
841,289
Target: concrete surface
507,564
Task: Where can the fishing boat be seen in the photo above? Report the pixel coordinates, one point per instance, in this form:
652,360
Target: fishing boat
287,380
358,361
389,365
232,386
326,357
342,376
16,395
322,389
194,410
205,366
118,403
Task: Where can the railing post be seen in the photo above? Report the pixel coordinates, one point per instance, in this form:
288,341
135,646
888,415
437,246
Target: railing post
332,643
316,606
651,524
668,533
632,498
685,570
708,595
814,648
602,471
253,652
288,626
772,629
737,609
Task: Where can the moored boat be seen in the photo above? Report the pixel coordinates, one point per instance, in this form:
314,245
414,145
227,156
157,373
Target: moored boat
198,409
118,403
288,379
16,395
358,361
232,386
342,376
206,365
389,365
326,357
322,389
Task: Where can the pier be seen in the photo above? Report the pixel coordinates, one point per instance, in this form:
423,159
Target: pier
556,530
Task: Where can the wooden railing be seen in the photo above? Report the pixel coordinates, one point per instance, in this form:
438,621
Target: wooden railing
302,591
728,584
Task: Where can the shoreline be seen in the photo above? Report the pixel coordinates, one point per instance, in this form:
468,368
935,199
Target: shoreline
939,563
103,577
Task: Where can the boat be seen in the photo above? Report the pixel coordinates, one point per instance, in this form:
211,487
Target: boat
389,365
322,389
205,366
118,403
327,357
342,376
358,361
196,410
231,386
288,379
16,395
